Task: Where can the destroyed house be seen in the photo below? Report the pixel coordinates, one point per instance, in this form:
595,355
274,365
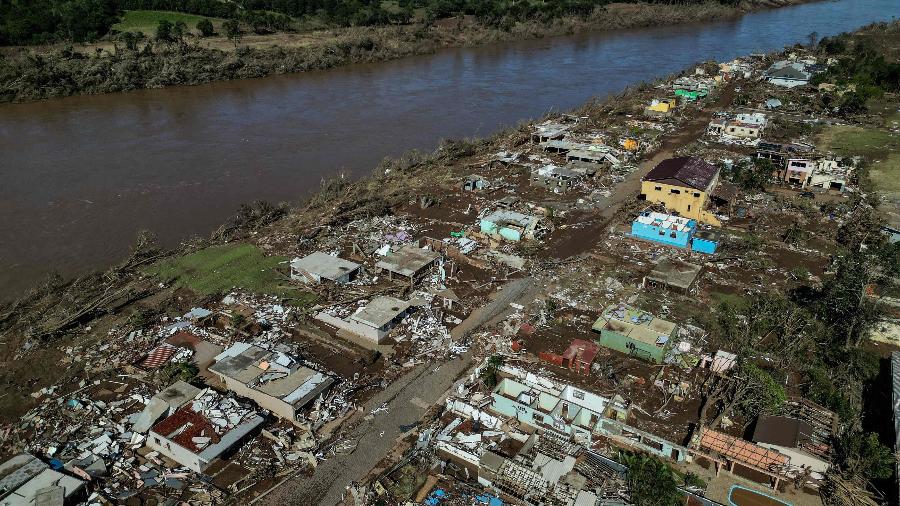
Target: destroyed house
202,430
673,274
727,451
593,155
475,182
684,186
548,131
409,261
273,380
794,438
164,403
779,153
555,179
565,409
788,74
510,225
319,266
634,332
25,480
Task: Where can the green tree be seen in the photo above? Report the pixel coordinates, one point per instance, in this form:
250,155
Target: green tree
205,27
232,30
179,30
650,481
861,454
164,30
489,373
131,40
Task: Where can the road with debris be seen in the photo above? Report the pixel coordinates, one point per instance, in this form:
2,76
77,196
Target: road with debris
406,400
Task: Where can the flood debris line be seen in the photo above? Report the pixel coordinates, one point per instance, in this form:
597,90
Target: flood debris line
611,278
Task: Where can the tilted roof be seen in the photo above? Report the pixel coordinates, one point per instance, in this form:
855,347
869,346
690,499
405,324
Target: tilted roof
687,171
782,431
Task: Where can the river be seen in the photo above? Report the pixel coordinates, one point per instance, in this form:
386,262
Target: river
80,176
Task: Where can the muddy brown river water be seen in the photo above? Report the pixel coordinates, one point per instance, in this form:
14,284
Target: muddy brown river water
80,176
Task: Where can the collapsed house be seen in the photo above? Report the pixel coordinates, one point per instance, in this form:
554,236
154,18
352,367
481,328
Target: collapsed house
672,273
202,430
26,480
511,226
634,332
409,262
319,266
555,179
374,321
549,131
273,380
164,403
684,185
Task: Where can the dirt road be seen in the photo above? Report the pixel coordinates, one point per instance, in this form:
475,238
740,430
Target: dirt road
575,241
406,401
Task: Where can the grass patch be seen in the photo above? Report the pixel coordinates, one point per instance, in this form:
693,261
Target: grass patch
731,299
882,147
218,269
147,21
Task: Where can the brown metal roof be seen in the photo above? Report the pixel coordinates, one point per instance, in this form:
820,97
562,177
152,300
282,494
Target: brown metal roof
687,171
782,431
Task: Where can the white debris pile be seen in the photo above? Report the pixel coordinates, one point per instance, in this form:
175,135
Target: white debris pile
224,413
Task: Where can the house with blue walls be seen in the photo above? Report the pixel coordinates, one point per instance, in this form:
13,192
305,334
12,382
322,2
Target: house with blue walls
664,228
674,231
511,226
705,241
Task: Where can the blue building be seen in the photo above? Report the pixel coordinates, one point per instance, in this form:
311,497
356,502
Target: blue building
664,228
705,241
674,231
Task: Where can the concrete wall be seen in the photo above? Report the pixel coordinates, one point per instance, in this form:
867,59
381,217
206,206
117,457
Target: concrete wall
628,346
688,202
660,235
703,246
176,452
275,405
370,333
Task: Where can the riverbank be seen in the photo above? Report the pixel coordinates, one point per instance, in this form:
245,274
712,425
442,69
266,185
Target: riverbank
72,352
28,74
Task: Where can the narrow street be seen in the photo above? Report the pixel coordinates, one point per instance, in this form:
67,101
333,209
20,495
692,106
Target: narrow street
407,400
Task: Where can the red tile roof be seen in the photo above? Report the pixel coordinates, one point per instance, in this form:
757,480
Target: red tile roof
194,425
740,451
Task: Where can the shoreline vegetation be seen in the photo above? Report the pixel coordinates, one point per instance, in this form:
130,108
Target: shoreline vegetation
176,55
820,329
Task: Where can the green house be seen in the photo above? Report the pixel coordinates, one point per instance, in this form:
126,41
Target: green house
634,332
691,95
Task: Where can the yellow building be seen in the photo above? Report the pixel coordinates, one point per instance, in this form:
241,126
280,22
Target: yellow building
661,107
684,186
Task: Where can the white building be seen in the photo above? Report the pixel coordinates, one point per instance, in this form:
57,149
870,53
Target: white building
273,380
202,430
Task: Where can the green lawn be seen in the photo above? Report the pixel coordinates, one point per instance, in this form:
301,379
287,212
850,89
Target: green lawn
882,147
146,21
217,269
